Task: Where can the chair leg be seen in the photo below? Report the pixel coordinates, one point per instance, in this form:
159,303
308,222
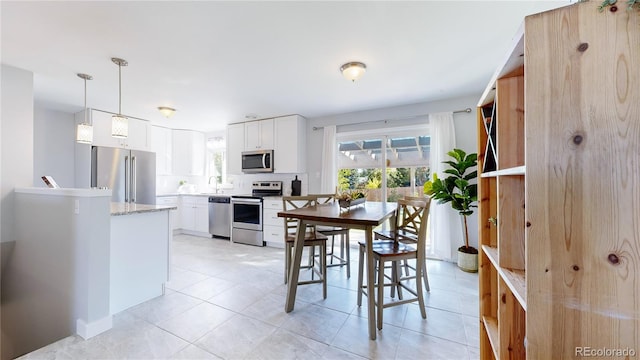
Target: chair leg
348,256
423,311
333,237
360,273
425,277
380,285
323,266
396,284
312,259
287,261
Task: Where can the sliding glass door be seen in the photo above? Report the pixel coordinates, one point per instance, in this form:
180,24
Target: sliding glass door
389,164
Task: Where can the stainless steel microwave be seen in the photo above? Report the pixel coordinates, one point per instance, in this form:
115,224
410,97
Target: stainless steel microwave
259,161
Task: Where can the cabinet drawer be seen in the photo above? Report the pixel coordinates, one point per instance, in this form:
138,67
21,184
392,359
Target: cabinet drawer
167,200
273,203
270,217
273,233
195,200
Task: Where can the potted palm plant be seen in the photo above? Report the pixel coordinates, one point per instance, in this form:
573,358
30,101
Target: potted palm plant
457,190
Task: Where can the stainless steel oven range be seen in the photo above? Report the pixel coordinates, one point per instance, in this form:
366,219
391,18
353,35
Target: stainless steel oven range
246,226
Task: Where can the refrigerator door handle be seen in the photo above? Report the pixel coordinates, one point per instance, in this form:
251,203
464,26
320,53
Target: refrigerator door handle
126,179
133,179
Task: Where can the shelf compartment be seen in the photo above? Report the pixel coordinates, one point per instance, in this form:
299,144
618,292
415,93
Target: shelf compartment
491,327
511,324
514,171
514,279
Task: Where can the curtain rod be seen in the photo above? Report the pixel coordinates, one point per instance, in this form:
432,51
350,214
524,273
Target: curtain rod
467,110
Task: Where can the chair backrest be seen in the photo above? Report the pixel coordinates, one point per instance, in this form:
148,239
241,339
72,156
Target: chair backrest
295,202
324,198
412,218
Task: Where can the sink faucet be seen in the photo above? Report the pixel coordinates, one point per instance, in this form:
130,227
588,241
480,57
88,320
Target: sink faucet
215,182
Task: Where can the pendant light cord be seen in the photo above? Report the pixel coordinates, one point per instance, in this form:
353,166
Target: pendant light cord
120,89
86,116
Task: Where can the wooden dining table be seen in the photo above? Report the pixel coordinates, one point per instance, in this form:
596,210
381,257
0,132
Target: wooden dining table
365,216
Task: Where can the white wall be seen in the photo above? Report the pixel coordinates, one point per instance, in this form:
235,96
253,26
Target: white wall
465,124
54,146
16,141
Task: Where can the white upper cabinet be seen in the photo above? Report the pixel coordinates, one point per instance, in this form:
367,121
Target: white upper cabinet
259,135
138,138
189,149
235,147
162,144
289,153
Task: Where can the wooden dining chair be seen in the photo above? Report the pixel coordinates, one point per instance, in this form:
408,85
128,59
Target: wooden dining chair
407,233
312,240
344,257
395,251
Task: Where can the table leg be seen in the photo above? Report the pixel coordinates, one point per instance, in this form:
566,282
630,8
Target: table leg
368,233
294,268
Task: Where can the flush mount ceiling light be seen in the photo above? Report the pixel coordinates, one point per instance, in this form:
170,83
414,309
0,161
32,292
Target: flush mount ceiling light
84,132
353,70
166,111
119,123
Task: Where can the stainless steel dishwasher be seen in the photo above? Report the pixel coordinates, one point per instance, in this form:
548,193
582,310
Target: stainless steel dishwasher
220,216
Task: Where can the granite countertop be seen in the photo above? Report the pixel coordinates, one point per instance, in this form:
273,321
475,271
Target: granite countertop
133,208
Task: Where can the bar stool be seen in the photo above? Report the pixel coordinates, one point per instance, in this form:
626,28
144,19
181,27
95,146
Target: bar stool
407,233
395,251
312,240
344,259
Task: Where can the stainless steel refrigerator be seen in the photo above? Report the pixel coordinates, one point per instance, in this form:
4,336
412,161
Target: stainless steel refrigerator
130,174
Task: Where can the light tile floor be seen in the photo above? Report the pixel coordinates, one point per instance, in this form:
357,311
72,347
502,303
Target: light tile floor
226,301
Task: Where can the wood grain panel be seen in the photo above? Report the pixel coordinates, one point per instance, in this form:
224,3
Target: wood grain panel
511,325
511,222
583,184
510,108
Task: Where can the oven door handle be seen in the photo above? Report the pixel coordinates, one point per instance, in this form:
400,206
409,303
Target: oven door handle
246,201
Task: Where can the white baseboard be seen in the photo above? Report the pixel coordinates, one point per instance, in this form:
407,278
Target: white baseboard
87,331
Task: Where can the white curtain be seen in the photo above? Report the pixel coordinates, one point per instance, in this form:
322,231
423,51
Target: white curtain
329,171
445,231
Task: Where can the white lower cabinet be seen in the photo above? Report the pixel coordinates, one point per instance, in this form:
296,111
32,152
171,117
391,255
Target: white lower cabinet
273,226
174,215
194,213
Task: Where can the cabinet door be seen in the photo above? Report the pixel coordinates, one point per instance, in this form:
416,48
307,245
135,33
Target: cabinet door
266,134
235,146
102,129
259,135
290,145
188,152
160,142
138,136
187,213
198,152
201,218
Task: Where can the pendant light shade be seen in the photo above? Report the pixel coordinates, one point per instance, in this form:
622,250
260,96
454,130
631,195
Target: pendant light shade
119,123
84,131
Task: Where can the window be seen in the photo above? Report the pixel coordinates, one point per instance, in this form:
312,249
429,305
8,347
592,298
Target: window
216,161
405,153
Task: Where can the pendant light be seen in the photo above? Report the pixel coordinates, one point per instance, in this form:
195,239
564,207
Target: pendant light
119,123
84,131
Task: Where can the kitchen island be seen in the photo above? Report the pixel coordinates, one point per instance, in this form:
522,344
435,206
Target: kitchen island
140,251
77,260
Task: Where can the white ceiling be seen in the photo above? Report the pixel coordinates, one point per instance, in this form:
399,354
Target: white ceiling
216,61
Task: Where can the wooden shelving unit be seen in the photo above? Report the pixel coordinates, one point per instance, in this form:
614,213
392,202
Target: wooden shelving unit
562,272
